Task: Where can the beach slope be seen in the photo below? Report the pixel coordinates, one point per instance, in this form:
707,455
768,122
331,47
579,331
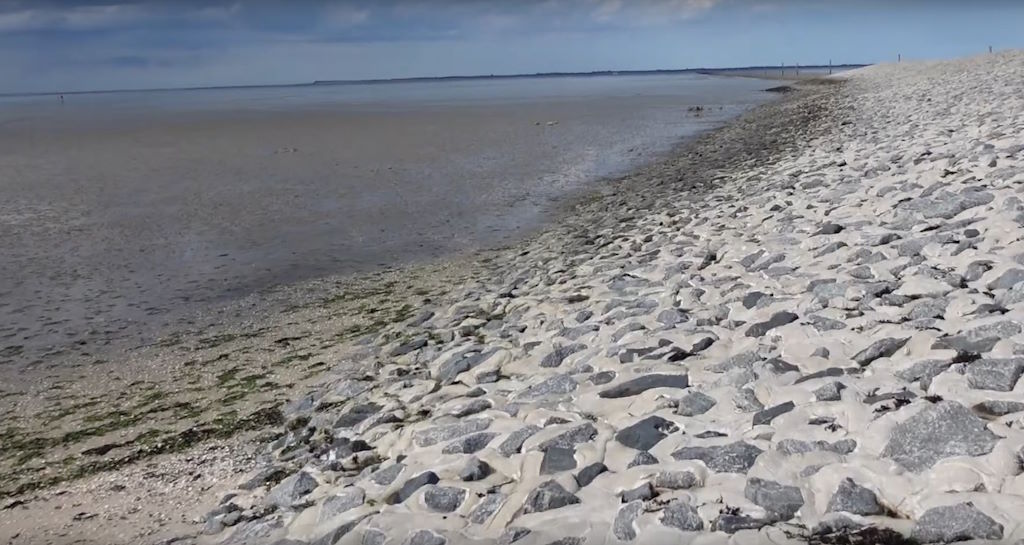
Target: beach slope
810,322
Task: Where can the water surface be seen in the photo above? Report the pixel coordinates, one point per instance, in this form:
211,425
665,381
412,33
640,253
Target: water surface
122,213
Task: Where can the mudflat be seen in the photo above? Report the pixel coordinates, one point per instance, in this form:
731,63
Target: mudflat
125,216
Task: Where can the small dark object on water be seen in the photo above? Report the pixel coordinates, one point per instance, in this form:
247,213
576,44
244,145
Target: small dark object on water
780,89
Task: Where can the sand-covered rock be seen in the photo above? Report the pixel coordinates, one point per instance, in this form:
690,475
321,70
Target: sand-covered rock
809,321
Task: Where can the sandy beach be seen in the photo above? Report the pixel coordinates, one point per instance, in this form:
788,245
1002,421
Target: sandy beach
805,326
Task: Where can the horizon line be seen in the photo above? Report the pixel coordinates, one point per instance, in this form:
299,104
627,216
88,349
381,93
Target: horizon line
371,81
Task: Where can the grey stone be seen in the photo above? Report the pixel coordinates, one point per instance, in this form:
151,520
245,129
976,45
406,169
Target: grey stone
778,319
556,385
746,400
672,316
1000,375
781,500
998,408
448,371
938,431
952,523
346,500
555,358
357,414
571,540
980,339
373,536
750,259
601,378
821,352
579,331
1007,280
751,299
695,404
823,324
780,366
842,526
622,526
558,459
512,534
475,470
745,360
421,318
701,345
790,447
473,407
642,492
334,536
290,491
488,376
626,330
853,498
425,537
513,444
583,433
408,347
646,433
549,495
641,384
946,205
829,228
444,499
862,272
730,524
826,288
924,371
411,486
487,507
682,516
928,308
879,349
589,473
439,434
768,415
643,458
676,480
387,475
470,444
736,457
884,239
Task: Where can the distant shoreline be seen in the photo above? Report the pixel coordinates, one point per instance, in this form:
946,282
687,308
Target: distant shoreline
602,73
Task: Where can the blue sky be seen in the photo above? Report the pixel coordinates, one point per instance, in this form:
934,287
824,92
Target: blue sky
51,45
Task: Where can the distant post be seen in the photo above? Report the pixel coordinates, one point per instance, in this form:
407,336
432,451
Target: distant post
798,69
830,67
783,69
899,57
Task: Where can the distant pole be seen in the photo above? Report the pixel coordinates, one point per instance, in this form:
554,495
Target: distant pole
783,69
899,57
830,67
798,69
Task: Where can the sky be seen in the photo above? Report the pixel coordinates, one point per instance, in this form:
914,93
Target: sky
77,45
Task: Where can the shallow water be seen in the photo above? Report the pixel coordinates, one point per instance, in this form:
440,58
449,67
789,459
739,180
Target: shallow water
122,213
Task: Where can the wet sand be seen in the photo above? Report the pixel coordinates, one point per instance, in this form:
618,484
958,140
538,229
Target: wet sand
116,230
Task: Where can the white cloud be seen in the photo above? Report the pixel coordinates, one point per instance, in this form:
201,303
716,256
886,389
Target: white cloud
76,18
649,11
342,15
